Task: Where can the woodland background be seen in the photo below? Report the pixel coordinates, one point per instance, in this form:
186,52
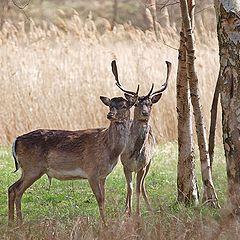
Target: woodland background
55,62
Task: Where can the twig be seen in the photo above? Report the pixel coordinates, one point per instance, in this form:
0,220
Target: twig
166,4
21,7
168,45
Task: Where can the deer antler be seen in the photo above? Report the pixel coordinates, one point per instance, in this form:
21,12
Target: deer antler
164,86
150,92
115,73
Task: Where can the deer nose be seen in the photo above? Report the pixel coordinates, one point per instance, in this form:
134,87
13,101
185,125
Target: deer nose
110,115
145,113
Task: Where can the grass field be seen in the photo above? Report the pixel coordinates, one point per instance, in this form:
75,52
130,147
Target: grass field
53,69
69,208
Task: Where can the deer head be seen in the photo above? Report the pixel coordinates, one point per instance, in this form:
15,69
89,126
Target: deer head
119,108
143,106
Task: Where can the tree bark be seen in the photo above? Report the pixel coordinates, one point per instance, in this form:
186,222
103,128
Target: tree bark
214,108
115,11
209,194
151,5
186,176
4,8
228,26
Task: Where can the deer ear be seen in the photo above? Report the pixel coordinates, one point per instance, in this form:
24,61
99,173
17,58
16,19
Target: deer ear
156,98
131,99
105,100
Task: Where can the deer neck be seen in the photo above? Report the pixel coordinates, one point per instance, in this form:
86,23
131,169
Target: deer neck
138,134
117,137
140,129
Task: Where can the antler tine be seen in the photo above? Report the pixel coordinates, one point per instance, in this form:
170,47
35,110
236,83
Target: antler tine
150,92
126,91
164,86
115,73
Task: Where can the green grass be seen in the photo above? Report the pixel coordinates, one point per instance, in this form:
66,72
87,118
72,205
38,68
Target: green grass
68,201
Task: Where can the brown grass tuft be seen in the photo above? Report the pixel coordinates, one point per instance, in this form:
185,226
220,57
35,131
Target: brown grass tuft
162,225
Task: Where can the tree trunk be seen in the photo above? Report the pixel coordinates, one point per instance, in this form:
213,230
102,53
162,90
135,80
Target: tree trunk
209,194
186,177
211,139
151,5
4,8
228,24
115,11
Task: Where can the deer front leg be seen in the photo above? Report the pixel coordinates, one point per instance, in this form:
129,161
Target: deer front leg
144,193
140,175
97,186
128,204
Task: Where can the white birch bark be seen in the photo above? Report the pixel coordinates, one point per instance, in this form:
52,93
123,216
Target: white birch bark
209,194
186,176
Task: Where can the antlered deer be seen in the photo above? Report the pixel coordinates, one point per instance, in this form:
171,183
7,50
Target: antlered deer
139,150
67,155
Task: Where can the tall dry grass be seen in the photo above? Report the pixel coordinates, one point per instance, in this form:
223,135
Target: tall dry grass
160,225
52,76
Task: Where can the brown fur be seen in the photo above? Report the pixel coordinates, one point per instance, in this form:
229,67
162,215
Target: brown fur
139,151
86,154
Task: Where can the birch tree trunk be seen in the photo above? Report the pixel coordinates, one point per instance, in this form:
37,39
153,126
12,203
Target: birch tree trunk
115,12
186,177
228,26
151,5
4,7
209,194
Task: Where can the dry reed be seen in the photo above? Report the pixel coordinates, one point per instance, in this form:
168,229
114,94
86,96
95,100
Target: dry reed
52,76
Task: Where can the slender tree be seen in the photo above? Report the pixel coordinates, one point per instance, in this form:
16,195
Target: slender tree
151,6
186,176
115,12
228,28
4,7
213,122
209,194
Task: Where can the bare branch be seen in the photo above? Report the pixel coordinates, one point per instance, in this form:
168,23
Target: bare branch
21,7
166,4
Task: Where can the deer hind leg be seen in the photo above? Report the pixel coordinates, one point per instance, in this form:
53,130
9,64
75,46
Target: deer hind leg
97,186
140,175
144,193
128,204
11,200
25,183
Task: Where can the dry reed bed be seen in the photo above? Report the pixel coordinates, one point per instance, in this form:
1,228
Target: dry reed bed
53,76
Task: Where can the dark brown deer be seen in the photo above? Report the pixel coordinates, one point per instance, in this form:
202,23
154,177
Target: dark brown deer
68,155
139,151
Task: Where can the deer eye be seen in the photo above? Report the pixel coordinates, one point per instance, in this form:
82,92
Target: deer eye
124,106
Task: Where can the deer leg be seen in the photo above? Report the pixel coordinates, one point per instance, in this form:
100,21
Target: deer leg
98,190
26,182
144,193
140,175
102,188
128,204
11,200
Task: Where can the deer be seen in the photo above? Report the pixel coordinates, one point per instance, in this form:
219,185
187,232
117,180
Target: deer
140,148
89,154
